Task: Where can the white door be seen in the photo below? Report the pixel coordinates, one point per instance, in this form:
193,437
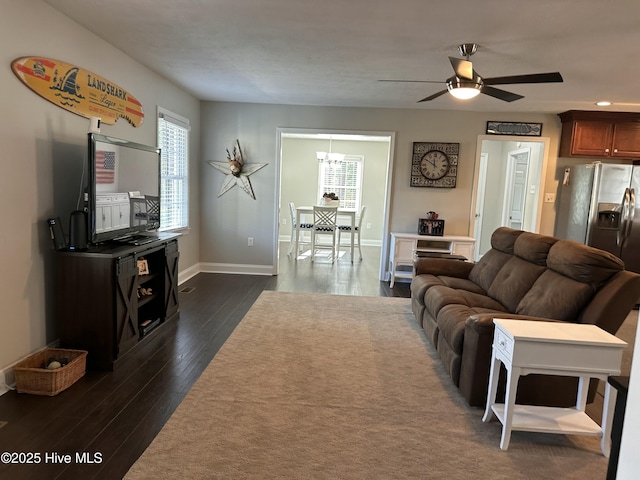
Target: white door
516,189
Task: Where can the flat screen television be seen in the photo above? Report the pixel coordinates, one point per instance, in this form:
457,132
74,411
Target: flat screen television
123,190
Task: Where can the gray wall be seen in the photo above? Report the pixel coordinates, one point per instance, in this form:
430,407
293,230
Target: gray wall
44,149
228,221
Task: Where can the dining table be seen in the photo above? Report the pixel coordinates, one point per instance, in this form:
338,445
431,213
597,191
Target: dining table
342,212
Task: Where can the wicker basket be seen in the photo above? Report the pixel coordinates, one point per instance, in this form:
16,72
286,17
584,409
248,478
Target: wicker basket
32,378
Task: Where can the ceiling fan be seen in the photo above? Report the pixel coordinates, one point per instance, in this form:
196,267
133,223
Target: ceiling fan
466,83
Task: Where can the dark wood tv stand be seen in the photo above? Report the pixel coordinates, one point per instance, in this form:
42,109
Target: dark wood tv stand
103,302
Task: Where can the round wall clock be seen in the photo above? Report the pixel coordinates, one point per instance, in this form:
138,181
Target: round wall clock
434,164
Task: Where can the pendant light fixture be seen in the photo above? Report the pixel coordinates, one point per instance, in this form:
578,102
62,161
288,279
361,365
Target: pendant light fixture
330,157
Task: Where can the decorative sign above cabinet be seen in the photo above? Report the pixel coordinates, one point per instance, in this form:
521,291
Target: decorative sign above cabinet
514,128
78,90
434,164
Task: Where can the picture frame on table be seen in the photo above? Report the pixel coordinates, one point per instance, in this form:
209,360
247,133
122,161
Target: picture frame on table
143,266
431,226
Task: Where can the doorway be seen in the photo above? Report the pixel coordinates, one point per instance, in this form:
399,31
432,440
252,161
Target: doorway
508,186
298,179
515,205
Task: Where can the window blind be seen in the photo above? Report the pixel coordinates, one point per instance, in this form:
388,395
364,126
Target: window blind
343,179
173,141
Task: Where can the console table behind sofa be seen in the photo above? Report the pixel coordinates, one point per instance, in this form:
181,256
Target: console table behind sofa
405,247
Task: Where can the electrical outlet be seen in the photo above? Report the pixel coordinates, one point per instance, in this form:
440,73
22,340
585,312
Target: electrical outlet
284,221
250,241
549,197
368,225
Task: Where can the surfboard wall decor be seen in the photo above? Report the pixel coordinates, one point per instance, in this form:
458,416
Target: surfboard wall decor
78,90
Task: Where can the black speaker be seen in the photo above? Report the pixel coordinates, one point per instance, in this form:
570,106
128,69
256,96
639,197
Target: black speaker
78,231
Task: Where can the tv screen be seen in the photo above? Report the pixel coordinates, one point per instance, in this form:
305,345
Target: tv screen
124,189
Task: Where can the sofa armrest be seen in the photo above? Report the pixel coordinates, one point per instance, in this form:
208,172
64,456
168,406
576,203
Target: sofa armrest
613,302
442,266
484,321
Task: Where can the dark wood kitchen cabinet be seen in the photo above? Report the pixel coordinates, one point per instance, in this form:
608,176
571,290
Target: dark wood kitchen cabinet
108,303
607,135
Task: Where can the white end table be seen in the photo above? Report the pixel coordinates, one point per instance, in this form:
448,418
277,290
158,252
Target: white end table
552,348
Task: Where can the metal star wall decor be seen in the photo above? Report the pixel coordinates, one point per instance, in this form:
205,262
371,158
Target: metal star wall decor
237,172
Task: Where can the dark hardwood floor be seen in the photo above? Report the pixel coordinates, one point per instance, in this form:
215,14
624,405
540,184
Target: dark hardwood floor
111,417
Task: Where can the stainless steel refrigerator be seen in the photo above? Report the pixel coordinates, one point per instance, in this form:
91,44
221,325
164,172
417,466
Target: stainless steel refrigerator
598,206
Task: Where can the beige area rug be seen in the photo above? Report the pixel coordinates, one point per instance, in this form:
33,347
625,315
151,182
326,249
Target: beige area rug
315,386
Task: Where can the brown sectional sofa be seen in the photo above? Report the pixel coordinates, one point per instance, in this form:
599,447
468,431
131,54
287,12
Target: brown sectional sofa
524,275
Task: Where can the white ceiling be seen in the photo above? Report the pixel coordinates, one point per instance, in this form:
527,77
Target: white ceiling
333,52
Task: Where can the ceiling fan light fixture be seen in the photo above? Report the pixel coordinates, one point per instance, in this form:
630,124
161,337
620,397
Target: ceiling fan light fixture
464,89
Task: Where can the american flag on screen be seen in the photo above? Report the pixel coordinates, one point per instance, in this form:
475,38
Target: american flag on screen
105,167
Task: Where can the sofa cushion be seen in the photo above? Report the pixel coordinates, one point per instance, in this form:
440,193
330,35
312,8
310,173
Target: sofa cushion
502,242
440,296
517,275
421,283
513,281
504,239
462,284
533,247
555,296
582,263
485,271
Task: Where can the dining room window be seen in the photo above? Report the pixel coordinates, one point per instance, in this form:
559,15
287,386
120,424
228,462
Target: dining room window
344,179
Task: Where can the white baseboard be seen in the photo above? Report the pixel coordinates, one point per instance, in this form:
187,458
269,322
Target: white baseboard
7,376
365,242
236,268
190,272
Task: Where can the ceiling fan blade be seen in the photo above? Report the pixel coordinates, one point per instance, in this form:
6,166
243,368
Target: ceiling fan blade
435,95
463,68
552,77
411,81
500,94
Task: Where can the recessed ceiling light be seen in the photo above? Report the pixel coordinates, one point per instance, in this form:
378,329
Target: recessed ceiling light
603,103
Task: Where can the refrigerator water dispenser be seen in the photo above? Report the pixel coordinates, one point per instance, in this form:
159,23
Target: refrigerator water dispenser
608,215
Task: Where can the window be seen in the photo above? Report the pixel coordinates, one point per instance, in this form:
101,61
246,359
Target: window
173,140
344,179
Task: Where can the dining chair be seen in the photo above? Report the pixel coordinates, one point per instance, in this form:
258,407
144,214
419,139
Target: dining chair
297,229
294,227
324,224
357,228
